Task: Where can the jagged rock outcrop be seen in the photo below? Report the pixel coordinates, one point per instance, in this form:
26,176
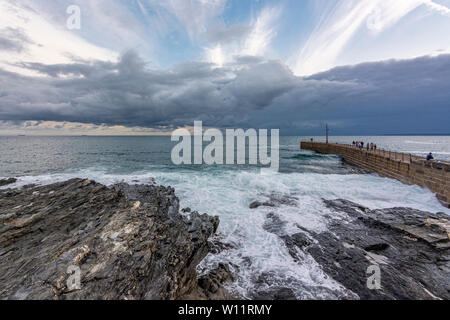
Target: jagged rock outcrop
210,285
274,200
5,182
410,247
129,242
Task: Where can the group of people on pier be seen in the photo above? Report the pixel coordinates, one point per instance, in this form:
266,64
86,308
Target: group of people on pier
373,147
369,146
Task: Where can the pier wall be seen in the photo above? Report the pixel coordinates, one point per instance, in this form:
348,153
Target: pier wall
408,169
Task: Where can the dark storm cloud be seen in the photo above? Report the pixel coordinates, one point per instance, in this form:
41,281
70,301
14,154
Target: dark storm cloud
410,95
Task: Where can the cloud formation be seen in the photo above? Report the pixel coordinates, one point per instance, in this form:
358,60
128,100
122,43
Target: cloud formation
12,39
248,92
226,63
341,21
28,34
167,32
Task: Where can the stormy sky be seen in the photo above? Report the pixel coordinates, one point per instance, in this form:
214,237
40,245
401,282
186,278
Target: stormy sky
149,66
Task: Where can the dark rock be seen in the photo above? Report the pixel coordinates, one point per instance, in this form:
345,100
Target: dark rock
295,241
274,224
283,199
411,248
274,200
210,285
267,288
130,242
257,204
213,280
377,247
275,294
247,261
6,182
265,279
219,244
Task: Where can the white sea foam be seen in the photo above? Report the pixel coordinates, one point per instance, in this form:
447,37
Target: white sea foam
257,253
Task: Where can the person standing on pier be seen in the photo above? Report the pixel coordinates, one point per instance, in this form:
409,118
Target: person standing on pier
430,157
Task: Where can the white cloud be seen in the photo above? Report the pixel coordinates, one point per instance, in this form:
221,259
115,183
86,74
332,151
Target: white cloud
253,40
215,55
48,43
437,7
263,32
75,128
341,24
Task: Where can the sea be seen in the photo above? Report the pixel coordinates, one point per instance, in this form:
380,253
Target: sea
305,178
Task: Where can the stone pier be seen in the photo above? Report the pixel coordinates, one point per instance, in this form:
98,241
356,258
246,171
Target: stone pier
434,175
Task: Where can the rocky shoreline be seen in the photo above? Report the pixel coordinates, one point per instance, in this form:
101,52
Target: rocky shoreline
128,241
5,182
410,247
134,242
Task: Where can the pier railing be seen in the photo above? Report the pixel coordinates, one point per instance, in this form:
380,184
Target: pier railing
389,154
407,168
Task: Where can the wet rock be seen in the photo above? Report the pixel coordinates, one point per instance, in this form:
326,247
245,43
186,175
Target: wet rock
275,294
128,242
5,182
274,201
210,285
295,242
410,247
219,243
283,199
214,279
257,204
378,247
267,288
247,261
274,224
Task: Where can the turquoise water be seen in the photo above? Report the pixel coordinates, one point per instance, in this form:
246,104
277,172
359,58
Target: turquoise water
305,178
